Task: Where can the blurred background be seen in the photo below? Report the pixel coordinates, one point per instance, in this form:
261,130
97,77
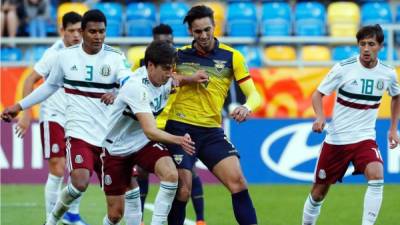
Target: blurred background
289,47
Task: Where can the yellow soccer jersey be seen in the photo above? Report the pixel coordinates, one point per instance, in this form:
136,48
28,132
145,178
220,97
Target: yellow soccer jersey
201,104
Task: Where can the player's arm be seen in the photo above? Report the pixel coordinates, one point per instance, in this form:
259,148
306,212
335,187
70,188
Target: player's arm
25,120
394,120
148,124
319,123
199,77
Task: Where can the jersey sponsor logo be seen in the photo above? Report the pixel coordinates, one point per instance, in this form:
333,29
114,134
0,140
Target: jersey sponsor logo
105,70
180,115
107,180
354,83
219,65
78,159
295,153
380,85
74,68
178,158
55,148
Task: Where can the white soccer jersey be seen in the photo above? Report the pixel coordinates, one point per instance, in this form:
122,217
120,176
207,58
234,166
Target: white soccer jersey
138,95
359,93
85,79
53,109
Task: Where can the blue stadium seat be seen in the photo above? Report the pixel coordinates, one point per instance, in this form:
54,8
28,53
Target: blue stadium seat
398,21
276,19
382,55
141,18
242,19
310,19
51,27
344,52
252,54
11,54
113,12
376,13
173,15
34,53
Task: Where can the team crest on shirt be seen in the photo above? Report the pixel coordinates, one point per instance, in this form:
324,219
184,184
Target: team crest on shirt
107,180
178,159
380,85
78,159
322,174
219,65
105,70
55,148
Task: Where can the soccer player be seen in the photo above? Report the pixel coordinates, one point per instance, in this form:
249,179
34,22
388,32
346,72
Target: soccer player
164,32
360,82
89,73
133,138
52,117
197,111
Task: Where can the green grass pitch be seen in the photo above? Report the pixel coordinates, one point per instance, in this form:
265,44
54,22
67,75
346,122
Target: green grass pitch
275,205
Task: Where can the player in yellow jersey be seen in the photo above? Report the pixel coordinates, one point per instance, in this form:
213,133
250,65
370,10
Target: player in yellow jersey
197,110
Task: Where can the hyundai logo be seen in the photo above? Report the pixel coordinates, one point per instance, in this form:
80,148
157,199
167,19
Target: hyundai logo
295,152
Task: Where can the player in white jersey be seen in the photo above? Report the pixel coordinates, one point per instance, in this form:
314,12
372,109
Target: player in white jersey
133,138
89,73
360,83
52,117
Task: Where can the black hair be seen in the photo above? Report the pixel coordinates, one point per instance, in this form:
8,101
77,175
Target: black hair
162,29
371,31
70,18
93,15
160,53
198,12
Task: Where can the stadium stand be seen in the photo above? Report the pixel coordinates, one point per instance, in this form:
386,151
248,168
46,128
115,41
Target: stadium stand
315,53
252,54
276,19
242,19
219,17
140,19
78,7
11,54
280,53
113,12
343,19
310,19
172,14
344,52
376,12
34,53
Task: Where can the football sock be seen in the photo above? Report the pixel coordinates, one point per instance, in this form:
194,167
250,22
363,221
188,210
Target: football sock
133,212
144,189
163,202
372,201
243,208
74,207
178,212
106,221
311,211
51,192
67,196
197,197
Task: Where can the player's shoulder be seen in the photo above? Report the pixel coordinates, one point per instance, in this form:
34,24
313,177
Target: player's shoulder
112,50
387,67
348,62
226,47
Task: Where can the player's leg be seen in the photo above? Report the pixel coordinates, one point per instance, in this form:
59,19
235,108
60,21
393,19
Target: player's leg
368,160
313,203
80,161
143,182
154,157
133,211
197,198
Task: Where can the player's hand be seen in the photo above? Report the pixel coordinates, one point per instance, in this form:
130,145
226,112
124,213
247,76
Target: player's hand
200,77
240,113
23,125
108,98
318,125
393,139
10,112
187,144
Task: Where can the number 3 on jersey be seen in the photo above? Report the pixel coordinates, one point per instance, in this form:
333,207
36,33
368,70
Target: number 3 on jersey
89,73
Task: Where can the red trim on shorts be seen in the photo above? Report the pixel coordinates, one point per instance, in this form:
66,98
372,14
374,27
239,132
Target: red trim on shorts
243,79
83,93
356,105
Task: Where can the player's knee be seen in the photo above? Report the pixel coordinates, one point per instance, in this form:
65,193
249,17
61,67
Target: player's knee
171,175
57,166
184,193
236,184
115,216
317,196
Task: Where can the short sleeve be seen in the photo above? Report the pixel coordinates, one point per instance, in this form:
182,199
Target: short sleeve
331,81
136,97
123,68
394,88
56,75
240,68
44,65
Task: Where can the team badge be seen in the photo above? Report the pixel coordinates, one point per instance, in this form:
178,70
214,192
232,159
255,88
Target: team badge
105,70
107,179
380,85
55,148
78,159
178,159
322,174
219,65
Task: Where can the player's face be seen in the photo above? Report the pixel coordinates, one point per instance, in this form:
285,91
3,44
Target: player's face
164,37
369,49
203,33
93,36
72,34
160,74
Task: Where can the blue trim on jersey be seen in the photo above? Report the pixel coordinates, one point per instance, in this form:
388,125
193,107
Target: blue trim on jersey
123,81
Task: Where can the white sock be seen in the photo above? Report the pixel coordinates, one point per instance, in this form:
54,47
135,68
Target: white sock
372,201
311,211
133,211
51,192
106,221
163,202
67,196
74,207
